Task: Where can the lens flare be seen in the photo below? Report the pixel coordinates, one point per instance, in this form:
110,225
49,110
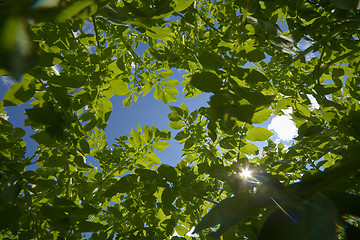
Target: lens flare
246,173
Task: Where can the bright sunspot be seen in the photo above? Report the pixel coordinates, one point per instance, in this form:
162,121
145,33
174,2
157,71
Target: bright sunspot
246,173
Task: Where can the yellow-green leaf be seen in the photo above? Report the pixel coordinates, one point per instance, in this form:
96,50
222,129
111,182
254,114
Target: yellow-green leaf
119,87
152,157
176,125
161,145
258,134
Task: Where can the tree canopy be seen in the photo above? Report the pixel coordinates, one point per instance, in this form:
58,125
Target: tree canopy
70,57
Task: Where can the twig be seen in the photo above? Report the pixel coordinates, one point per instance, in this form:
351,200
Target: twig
97,42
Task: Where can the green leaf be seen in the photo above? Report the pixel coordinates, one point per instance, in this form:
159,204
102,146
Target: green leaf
58,218
181,230
45,115
164,34
76,81
206,81
284,103
177,110
105,106
42,138
119,87
227,213
181,135
211,60
10,215
86,116
20,92
168,172
174,116
228,143
146,173
302,109
146,89
164,135
250,149
171,83
79,160
189,143
86,226
112,14
261,115
148,134
185,110
348,5
16,44
84,146
11,189
124,185
255,76
161,145
182,5
90,125
254,97
152,157
73,9
135,138
255,55
176,125
157,92
166,74
168,196
127,101
242,113
258,134
326,89
19,133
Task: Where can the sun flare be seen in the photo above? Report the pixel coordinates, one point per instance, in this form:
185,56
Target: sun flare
246,173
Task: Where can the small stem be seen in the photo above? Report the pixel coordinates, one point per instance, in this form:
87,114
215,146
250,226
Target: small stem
129,48
244,15
56,72
97,42
331,35
318,66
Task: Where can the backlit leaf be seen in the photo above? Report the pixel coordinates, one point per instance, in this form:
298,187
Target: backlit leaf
72,9
176,125
258,134
261,115
152,157
182,5
171,83
119,87
20,92
166,74
181,135
164,34
250,149
161,146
